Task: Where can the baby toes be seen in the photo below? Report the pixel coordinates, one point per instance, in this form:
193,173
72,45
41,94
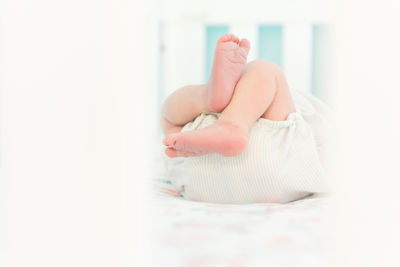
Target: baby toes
173,153
170,152
170,140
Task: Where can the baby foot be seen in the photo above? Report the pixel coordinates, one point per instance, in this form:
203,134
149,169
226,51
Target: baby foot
221,137
229,61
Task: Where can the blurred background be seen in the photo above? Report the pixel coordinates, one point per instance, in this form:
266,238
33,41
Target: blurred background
81,87
295,34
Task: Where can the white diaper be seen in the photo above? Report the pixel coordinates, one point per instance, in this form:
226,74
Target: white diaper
282,162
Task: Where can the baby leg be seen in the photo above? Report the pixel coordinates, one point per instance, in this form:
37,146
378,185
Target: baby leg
183,106
262,91
188,102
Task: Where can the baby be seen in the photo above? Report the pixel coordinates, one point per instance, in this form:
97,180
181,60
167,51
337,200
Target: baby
243,137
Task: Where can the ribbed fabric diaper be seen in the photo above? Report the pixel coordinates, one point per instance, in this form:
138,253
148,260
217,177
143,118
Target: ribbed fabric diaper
282,161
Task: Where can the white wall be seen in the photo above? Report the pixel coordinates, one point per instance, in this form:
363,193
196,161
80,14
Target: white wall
76,117
367,181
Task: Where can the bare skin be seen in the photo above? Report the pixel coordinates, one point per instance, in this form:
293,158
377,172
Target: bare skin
260,92
186,103
230,59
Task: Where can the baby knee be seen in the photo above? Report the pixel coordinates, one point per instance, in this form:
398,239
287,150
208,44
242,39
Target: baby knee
264,67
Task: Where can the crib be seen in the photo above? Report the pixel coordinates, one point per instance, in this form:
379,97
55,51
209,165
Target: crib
294,34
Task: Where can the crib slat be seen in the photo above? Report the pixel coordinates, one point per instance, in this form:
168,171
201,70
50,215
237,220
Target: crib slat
248,30
184,54
297,56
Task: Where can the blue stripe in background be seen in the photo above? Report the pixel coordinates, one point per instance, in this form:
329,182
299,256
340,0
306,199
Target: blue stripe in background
321,47
316,60
270,43
212,35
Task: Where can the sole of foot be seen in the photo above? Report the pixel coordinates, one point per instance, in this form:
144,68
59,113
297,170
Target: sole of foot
221,137
230,59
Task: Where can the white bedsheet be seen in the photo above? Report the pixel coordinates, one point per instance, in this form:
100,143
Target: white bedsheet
204,234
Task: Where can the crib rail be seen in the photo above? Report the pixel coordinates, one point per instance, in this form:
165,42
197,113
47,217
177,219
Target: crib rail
290,33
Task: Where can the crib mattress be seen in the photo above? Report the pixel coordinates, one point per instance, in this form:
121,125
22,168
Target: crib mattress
205,234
